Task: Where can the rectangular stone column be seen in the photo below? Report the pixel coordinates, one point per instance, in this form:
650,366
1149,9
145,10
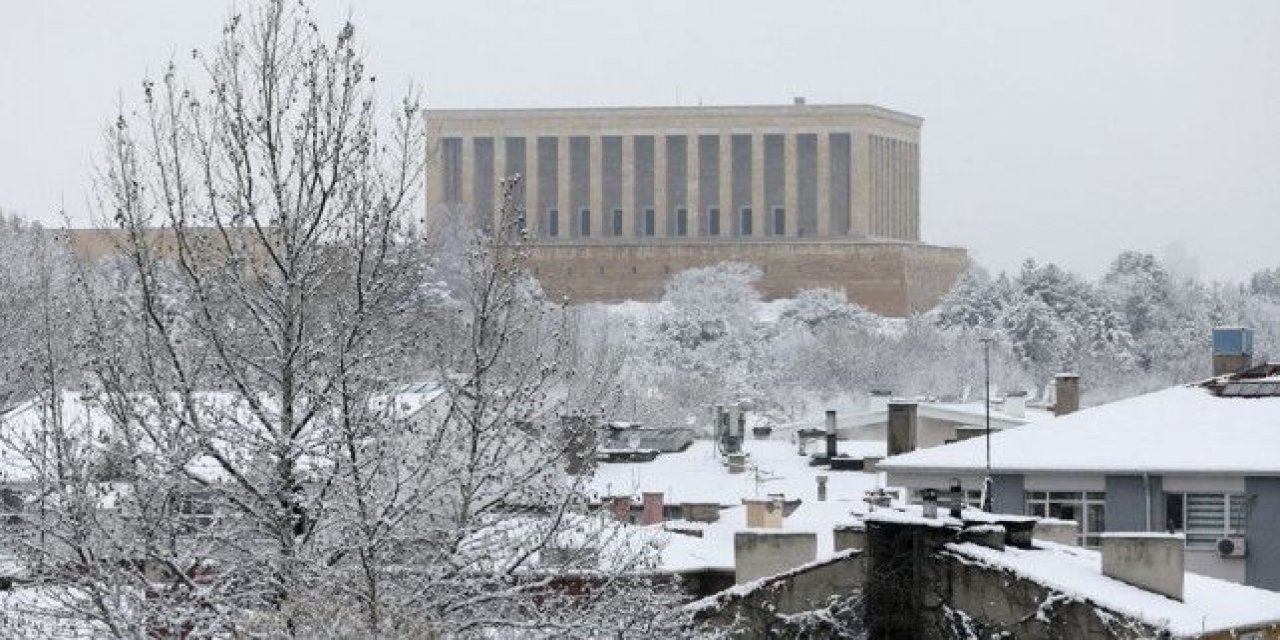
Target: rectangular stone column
467,166
693,173
727,214
532,195
435,181
791,196
759,214
660,210
564,192
499,175
823,169
628,186
860,183
595,179
913,215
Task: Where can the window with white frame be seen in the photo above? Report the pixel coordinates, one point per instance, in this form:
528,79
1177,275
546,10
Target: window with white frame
1205,517
1087,508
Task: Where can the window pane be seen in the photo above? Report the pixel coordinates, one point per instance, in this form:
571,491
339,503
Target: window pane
1035,495
1096,522
1237,514
1064,495
1173,512
1064,511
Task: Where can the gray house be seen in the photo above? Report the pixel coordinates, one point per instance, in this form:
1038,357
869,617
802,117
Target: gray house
1201,459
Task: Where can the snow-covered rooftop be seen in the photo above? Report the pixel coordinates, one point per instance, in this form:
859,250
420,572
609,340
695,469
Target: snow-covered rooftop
1209,605
1183,429
697,476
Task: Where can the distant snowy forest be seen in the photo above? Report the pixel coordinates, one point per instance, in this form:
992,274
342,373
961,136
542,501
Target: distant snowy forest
712,340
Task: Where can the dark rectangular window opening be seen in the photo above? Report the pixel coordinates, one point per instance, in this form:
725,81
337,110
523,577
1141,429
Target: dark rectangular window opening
584,223
617,222
553,222
682,222
779,221
649,222
744,222
713,221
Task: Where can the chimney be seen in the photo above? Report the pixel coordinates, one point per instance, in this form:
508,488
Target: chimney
1151,561
1015,404
822,488
621,508
652,513
831,435
798,101
737,462
902,427
1232,350
763,513
1066,394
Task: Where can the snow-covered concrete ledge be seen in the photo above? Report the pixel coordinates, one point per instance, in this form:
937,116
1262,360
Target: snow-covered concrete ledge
1209,606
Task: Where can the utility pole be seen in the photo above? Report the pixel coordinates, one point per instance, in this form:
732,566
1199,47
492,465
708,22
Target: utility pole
986,375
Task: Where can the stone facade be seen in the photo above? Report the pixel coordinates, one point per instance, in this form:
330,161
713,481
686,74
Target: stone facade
889,278
614,201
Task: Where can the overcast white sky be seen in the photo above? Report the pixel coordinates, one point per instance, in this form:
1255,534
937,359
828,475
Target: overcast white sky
1064,133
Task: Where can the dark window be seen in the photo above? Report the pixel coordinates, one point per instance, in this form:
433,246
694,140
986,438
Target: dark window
779,221
617,222
744,222
584,223
553,222
713,221
682,222
648,222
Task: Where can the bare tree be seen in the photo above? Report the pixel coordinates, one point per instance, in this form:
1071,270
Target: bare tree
259,447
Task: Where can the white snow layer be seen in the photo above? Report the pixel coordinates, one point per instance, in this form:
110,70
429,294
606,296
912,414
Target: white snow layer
1209,605
1181,429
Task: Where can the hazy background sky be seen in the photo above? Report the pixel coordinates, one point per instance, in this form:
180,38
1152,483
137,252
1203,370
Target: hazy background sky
1064,133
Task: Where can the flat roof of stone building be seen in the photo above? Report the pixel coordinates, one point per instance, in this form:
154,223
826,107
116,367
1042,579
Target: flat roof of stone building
791,116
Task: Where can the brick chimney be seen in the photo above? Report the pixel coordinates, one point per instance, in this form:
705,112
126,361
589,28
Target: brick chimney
652,513
620,506
1066,394
763,513
1232,350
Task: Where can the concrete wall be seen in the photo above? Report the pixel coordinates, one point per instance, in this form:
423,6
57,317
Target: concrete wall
1262,566
893,279
755,614
1149,561
758,554
1007,493
1127,503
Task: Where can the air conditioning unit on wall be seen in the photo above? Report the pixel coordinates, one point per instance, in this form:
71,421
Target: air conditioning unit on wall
1231,547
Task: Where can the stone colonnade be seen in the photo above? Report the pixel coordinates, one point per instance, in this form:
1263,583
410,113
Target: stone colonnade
598,175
